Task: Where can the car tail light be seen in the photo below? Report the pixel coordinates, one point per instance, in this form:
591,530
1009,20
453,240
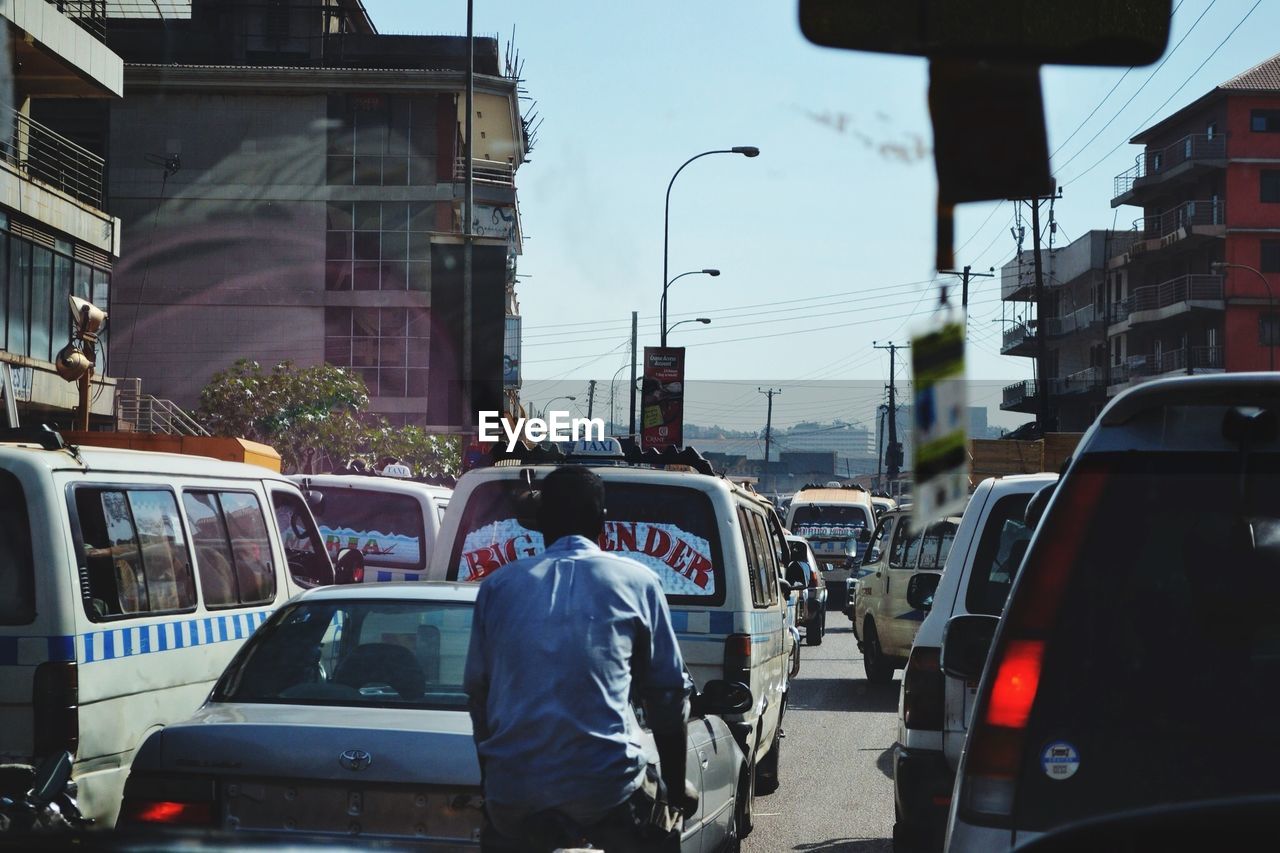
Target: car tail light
737,658
813,579
996,745
357,574
923,689
55,701
166,812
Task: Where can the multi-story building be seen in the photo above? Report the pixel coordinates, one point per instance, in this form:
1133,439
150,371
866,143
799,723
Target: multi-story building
293,182
1071,337
56,237
1208,183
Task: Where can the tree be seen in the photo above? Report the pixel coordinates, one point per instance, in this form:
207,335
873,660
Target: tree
316,418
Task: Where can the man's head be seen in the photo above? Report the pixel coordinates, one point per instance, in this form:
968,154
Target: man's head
572,504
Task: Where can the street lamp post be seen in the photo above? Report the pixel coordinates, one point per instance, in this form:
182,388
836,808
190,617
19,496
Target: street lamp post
1271,306
663,308
745,151
703,320
547,407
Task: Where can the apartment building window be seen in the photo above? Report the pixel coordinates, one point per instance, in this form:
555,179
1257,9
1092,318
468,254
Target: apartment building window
372,245
1271,186
387,347
382,140
1211,130
1268,330
1270,260
34,319
1264,121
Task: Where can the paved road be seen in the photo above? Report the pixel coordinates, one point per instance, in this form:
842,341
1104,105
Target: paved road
836,794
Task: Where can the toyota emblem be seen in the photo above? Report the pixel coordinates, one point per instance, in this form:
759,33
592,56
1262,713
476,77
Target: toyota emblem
355,759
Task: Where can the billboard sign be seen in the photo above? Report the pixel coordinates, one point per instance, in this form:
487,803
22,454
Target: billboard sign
662,398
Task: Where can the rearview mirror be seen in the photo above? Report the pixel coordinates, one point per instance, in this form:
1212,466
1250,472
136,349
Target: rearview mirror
863,535
920,589
349,566
1036,506
722,697
965,643
1082,32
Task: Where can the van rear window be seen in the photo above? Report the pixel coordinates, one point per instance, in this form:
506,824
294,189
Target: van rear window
671,530
17,576
387,528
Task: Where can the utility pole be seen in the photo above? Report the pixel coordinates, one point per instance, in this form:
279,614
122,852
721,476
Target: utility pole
768,424
1043,416
893,453
965,275
467,213
880,449
635,323
591,397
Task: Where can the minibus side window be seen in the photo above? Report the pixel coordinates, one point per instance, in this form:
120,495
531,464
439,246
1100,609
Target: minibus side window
133,552
233,553
17,575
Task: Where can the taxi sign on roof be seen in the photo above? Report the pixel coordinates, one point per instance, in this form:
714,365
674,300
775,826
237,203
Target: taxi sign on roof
403,472
609,448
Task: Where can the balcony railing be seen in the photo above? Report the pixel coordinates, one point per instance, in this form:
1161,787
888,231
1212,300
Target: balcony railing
1076,321
91,15
1119,311
145,413
1152,165
1189,213
1185,288
1082,381
1018,393
42,155
485,171
1200,358
1016,335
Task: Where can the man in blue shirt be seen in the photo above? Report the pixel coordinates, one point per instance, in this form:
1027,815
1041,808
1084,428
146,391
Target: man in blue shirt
560,643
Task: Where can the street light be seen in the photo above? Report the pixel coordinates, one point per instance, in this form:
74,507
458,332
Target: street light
1271,300
745,151
547,407
663,309
703,320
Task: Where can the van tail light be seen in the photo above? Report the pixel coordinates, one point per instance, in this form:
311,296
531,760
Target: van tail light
357,574
924,689
997,743
168,812
737,658
813,578
55,707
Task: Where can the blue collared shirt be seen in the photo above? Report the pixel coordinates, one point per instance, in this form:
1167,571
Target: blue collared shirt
553,642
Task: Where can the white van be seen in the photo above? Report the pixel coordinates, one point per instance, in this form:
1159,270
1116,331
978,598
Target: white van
718,549
832,517
127,581
394,522
934,708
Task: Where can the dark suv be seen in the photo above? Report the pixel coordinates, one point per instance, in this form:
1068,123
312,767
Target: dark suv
1137,664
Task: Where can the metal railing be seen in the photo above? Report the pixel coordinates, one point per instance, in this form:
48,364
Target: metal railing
1119,374
91,15
1016,335
1189,213
1152,165
42,155
145,413
1184,288
1119,311
485,171
1081,381
1018,393
1078,320
1175,360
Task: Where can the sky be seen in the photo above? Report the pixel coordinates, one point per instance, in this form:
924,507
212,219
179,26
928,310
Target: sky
825,241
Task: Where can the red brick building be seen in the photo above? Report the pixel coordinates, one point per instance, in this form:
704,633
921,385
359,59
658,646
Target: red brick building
1208,184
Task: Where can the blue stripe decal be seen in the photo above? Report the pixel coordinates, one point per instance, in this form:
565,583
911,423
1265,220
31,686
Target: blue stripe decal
62,648
384,577
721,622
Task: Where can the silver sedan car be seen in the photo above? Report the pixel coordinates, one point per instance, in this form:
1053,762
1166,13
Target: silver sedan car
344,716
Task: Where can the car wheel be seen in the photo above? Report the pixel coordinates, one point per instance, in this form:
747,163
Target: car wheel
743,811
813,630
767,768
877,667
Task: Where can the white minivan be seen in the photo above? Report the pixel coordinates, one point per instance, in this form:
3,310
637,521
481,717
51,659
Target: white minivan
718,549
394,522
128,579
934,708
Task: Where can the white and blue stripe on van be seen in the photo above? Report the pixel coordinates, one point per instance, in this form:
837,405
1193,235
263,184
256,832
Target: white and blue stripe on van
130,640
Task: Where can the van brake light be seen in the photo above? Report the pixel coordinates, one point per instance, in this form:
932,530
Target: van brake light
1014,688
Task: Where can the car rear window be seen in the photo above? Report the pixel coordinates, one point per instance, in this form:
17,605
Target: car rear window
827,518
1000,551
355,653
387,528
670,529
1163,667
17,580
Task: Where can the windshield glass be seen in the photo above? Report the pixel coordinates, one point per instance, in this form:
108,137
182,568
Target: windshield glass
1000,552
1170,619
386,527
377,653
670,529
828,520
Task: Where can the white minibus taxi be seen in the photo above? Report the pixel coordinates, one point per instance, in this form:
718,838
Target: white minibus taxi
128,579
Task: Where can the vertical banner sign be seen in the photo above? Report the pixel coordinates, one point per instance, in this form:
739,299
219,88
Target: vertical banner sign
941,461
662,398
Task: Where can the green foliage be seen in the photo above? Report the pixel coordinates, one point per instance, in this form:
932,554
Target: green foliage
316,418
